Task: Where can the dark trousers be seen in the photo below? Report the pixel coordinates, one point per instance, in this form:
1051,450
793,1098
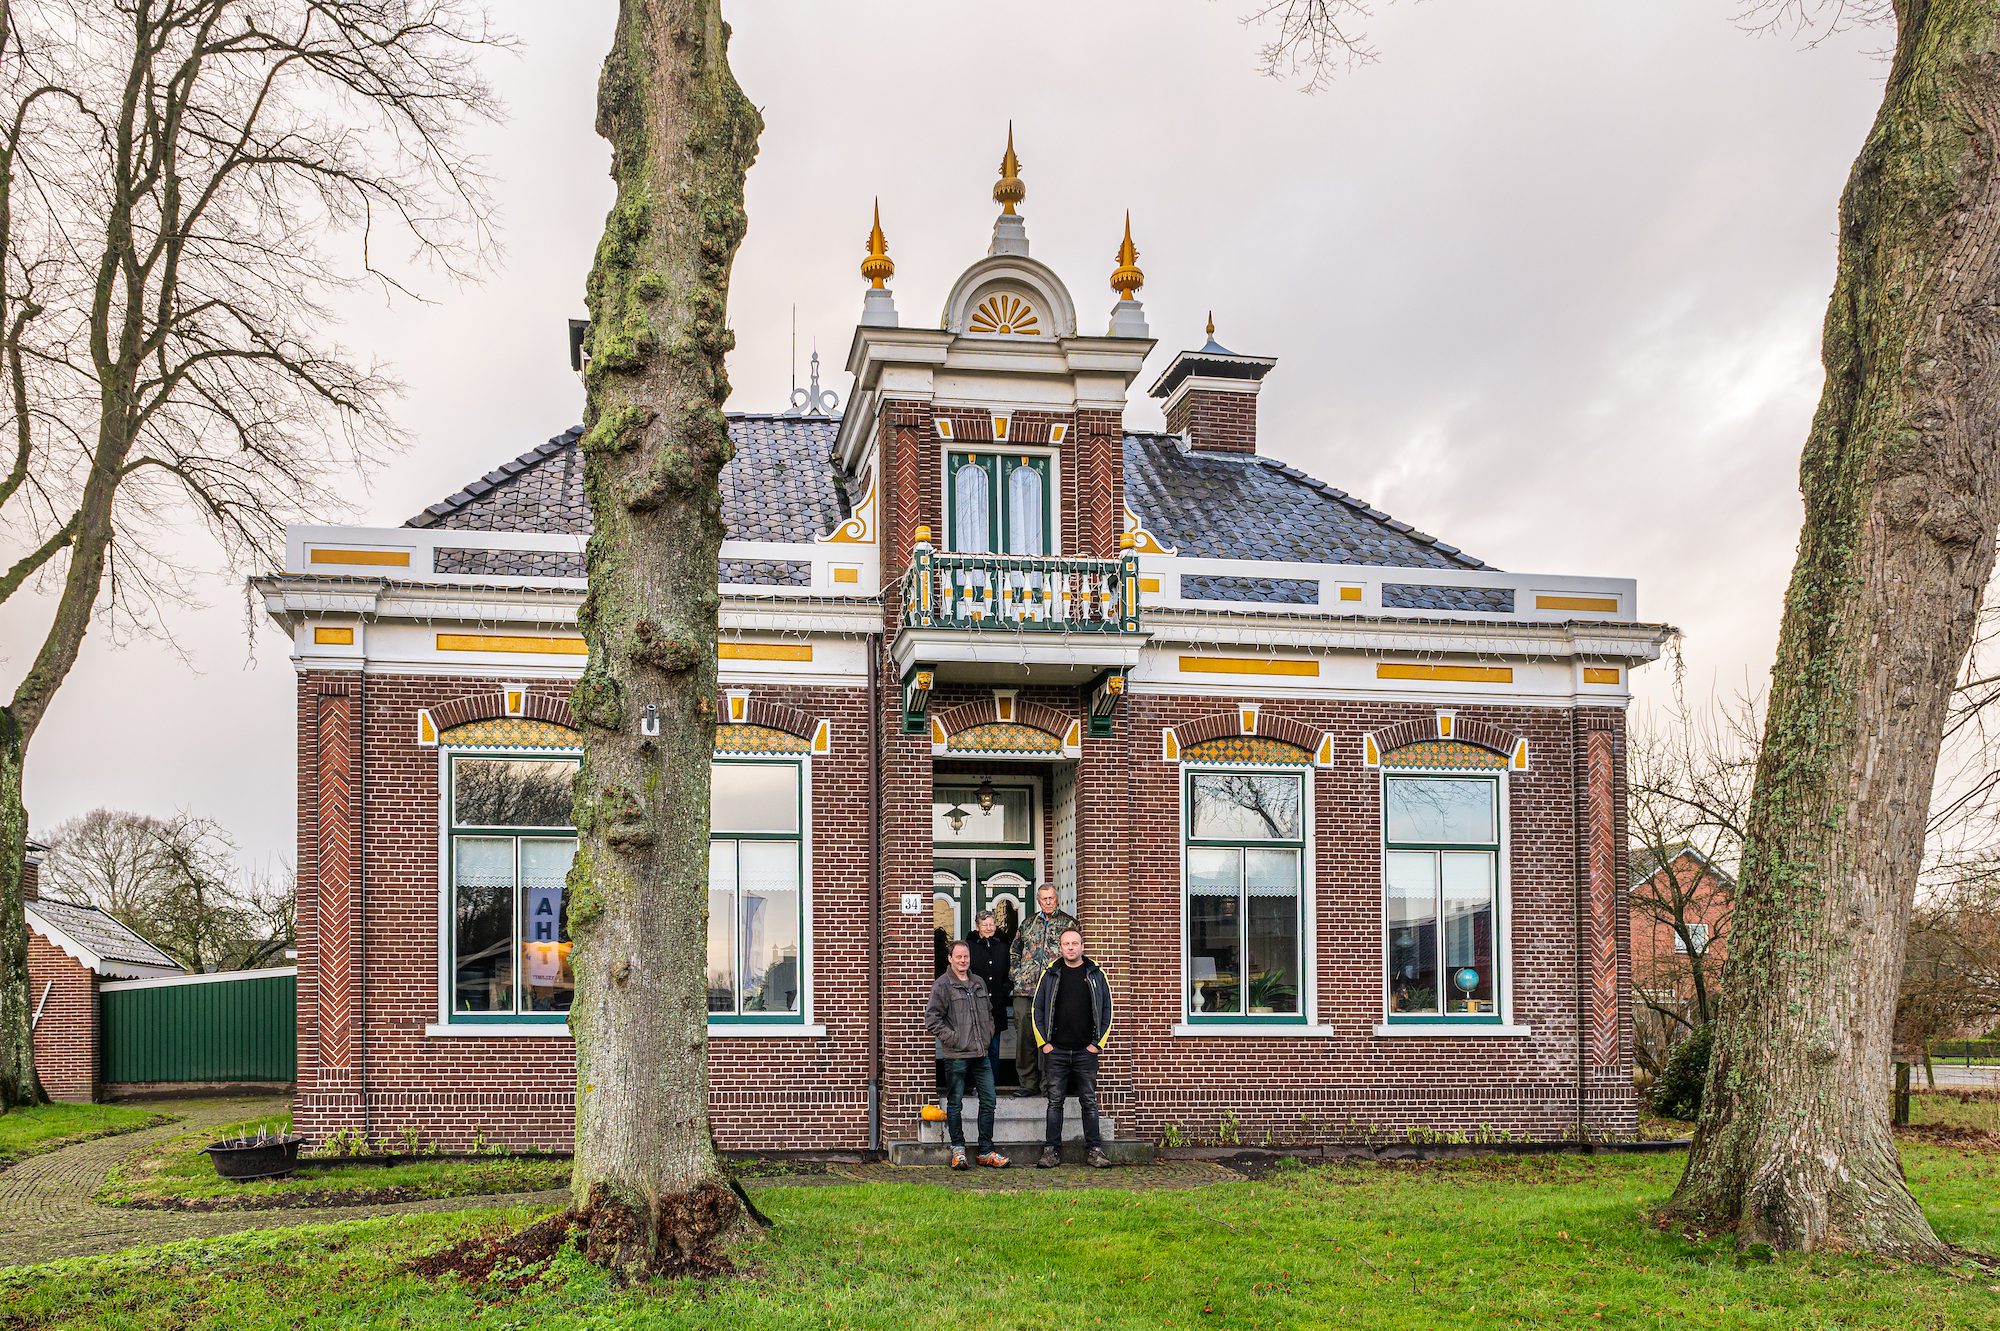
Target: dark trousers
956,1070
1027,1058
1071,1072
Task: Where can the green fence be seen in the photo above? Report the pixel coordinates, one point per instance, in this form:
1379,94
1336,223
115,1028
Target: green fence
1949,1051
239,1026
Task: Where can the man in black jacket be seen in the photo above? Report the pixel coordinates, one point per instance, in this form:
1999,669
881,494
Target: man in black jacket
990,963
1072,1017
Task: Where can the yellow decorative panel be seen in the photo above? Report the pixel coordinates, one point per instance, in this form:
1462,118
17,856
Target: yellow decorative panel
1058,433
1246,665
1149,584
1371,754
1248,717
731,738
1600,674
1003,312
1350,593
1444,725
517,702
1170,746
822,740
536,644
427,732
1602,604
846,573
765,651
739,706
392,558
1003,737
1004,704
1243,749
1450,753
512,732
943,426
1445,673
334,637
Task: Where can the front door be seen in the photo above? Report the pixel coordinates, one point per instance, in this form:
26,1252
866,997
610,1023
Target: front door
964,885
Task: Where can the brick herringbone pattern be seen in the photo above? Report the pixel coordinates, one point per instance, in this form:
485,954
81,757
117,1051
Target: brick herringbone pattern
336,882
1603,901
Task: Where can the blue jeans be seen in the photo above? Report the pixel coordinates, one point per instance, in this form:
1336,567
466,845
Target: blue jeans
955,1072
993,1057
1071,1070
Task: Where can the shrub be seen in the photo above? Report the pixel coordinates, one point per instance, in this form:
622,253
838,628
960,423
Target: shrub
1677,1094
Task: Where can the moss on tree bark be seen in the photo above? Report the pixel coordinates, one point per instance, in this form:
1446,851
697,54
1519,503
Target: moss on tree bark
1901,480
655,1198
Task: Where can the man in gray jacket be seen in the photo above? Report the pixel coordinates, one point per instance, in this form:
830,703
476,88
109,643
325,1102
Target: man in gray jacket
960,1015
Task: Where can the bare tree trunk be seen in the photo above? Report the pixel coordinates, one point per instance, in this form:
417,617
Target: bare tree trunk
18,1083
1901,479
654,1196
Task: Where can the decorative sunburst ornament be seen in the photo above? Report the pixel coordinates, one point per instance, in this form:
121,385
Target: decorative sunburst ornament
1005,314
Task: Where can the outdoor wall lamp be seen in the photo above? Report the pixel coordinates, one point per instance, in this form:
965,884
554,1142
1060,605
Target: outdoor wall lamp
956,817
986,794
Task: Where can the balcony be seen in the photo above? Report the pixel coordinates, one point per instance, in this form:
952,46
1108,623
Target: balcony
1009,593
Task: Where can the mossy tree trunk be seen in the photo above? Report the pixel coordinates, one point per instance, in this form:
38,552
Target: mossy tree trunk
1901,480
653,1194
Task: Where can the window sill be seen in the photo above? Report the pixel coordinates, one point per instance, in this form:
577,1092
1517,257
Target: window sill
556,1030
1269,1030
1469,1030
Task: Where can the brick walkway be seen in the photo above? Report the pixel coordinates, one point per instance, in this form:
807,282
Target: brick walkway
46,1209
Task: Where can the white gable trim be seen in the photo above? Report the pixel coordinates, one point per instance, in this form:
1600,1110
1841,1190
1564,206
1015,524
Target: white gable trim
88,959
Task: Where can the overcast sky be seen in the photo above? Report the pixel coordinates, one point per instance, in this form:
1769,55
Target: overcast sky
1546,281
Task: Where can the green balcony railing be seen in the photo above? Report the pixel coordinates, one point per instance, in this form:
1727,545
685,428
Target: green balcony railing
1020,592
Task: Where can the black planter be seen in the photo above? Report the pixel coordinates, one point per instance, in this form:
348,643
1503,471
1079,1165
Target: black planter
272,1157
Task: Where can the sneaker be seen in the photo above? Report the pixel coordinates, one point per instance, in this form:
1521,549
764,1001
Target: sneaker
1097,1159
994,1160
1050,1159
958,1158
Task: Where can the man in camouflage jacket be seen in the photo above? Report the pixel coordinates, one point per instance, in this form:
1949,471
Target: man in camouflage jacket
1037,944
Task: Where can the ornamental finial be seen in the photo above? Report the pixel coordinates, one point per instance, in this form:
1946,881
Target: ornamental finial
1211,323
1126,277
878,266
1009,190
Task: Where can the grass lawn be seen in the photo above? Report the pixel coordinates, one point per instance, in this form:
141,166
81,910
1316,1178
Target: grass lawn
176,1175
26,1132
1510,1241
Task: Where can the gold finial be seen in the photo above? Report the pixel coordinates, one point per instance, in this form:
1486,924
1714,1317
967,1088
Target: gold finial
878,265
1126,277
1009,190
1211,323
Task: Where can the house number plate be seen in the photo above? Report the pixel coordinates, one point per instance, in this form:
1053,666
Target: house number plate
913,903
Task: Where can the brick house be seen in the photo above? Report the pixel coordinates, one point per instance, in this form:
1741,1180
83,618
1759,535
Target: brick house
1340,806
1679,921
71,950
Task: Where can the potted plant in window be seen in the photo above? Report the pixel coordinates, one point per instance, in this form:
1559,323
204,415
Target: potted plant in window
1271,992
266,1155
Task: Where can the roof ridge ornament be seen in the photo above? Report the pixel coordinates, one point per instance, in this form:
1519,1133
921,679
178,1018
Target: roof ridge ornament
878,306
1128,316
1010,230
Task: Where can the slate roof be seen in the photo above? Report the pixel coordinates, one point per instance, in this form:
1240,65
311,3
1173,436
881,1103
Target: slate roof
782,486
119,948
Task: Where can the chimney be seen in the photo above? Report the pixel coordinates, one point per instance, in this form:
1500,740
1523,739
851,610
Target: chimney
31,872
1211,395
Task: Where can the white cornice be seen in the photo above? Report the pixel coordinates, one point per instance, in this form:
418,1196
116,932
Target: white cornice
1472,638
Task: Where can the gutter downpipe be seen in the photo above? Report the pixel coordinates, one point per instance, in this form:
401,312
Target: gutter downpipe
876,904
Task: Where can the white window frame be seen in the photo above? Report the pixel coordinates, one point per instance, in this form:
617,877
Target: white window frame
1305,1022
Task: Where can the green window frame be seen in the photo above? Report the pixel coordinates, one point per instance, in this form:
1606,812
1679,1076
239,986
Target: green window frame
1443,908
743,847
998,470
1243,899
474,846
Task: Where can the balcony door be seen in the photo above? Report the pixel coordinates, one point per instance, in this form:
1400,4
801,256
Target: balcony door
999,504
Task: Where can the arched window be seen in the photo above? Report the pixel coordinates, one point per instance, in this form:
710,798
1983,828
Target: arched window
1026,508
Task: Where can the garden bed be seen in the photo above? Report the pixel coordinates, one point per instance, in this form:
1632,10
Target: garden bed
176,1175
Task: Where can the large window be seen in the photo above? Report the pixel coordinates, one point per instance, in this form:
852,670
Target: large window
1442,881
756,969
1244,859
511,844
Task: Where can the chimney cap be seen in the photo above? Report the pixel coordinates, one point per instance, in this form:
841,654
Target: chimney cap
1211,362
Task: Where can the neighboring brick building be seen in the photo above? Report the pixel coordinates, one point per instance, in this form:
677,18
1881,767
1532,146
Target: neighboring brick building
1679,922
1341,808
71,949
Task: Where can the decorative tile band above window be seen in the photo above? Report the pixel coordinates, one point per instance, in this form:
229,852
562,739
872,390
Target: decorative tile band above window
1445,753
1004,737
1244,749
734,738
511,732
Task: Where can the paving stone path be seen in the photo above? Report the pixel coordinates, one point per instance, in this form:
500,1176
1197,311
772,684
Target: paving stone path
47,1209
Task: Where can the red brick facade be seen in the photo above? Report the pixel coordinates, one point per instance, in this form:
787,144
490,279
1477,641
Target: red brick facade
65,993
1216,420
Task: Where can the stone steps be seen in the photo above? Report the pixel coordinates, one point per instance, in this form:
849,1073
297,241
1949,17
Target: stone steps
1018,1121
1023,1155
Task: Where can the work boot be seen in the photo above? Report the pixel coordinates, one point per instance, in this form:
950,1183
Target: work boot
1097,1159
1050,1158
1024,1093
